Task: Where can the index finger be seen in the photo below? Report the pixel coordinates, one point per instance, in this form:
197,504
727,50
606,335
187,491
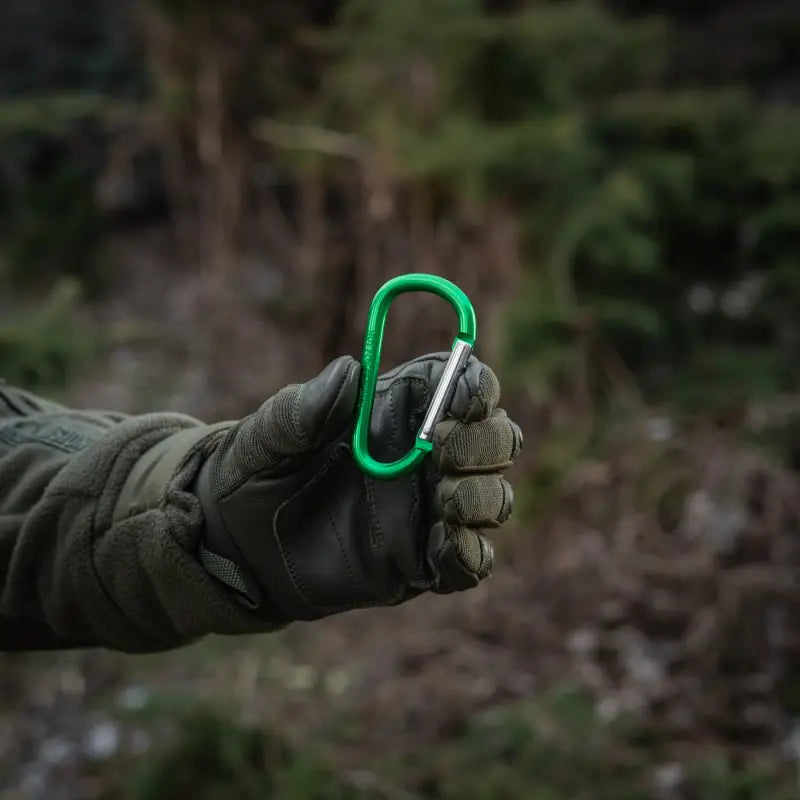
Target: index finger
477,393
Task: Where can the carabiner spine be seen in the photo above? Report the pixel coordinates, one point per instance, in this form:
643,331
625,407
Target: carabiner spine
445,389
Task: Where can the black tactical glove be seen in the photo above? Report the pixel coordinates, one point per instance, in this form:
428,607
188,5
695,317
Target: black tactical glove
299,532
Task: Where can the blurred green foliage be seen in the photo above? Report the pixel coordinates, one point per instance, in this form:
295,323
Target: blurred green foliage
52,227
211,756
64,70
215,759
555,747
41,347
660,219
660,222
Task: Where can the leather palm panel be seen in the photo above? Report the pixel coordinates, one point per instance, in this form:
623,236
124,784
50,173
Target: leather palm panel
323,536
317,552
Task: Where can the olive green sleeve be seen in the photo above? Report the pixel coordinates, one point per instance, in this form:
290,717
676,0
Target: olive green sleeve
99,530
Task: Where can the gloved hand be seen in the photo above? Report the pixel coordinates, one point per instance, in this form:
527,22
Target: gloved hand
299,532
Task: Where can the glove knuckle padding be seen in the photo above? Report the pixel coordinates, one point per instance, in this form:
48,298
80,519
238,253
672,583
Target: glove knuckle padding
473,550
488,391
475,500
483,446
477,393
460,557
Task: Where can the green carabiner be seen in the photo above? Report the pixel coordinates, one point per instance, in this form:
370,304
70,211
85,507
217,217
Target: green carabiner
370,362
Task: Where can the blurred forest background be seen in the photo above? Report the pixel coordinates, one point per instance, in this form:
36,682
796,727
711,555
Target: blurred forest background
198,200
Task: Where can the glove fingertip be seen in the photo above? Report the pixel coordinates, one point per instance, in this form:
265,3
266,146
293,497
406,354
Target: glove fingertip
477,393
459,557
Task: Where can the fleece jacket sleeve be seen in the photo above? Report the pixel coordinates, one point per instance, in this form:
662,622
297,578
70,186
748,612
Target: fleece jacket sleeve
100,529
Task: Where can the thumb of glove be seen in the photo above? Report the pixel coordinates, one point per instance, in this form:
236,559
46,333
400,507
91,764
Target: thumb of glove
325,404
295,422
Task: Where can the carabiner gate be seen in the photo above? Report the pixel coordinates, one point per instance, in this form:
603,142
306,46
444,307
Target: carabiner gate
370,362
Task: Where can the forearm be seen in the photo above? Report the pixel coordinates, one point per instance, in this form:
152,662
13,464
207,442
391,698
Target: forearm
144,533
99,533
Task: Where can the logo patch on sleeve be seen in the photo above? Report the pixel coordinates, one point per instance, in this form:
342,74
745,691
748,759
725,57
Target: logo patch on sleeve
68,439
